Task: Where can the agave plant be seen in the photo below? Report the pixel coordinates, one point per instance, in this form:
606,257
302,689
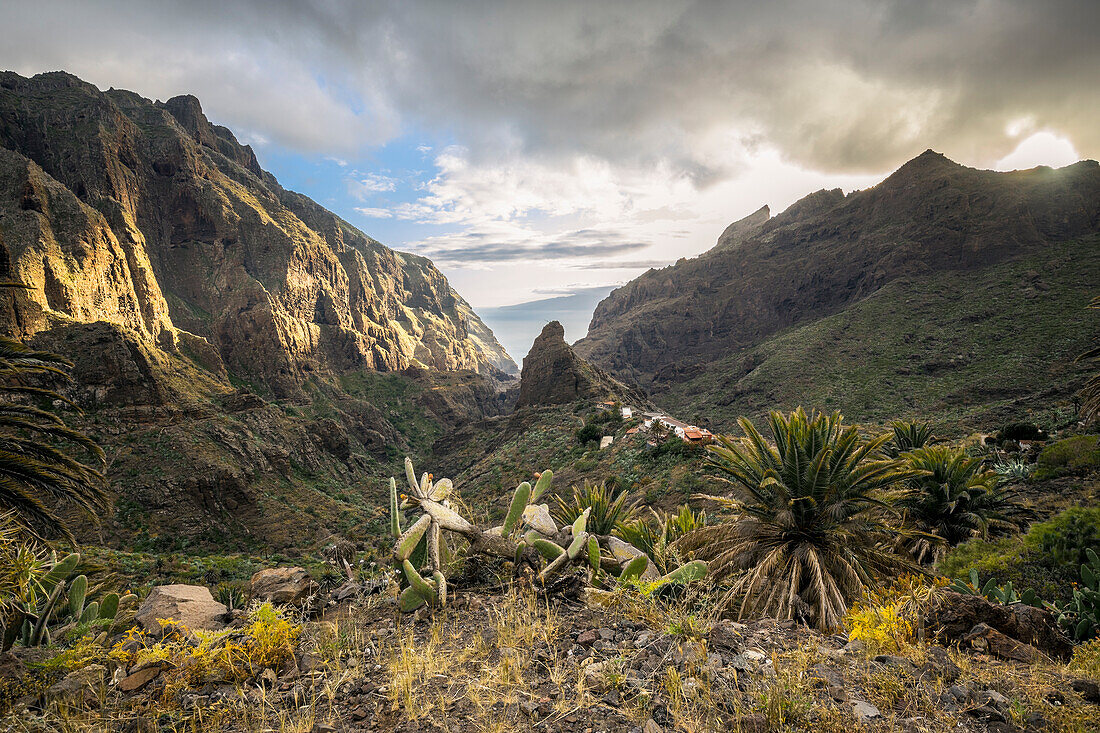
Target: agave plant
950,500
809,534
36,473
909,436
656,534
606,504
1013,469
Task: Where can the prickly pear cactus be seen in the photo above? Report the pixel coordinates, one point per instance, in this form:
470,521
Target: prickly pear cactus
527,537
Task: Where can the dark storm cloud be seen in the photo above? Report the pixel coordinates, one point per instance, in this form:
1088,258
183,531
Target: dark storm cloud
836,86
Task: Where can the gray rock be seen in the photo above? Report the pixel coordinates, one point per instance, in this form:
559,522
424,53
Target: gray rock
865,712
890,660
282,585
727,635
190,605
1088,690
939,664
537,517
960,693
992,697
79,688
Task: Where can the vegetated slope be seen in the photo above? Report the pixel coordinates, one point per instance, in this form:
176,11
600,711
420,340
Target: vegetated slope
253,365
146,215
970,349
829,252
559,393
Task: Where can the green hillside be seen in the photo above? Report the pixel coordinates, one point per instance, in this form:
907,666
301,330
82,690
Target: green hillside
967,349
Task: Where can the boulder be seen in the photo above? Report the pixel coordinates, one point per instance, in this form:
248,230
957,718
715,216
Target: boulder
727,635
137,680
190,605
79,688
624,552
282,585
955,616
986,639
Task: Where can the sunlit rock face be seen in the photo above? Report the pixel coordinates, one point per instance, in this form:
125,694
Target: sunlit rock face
145,215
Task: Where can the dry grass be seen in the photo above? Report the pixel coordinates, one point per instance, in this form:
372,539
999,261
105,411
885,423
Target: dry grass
431,673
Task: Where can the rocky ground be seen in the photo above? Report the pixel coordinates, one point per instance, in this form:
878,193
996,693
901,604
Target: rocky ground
509,658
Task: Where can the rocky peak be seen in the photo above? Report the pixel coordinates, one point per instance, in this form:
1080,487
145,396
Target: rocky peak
828,251
742,229
145,215
553,374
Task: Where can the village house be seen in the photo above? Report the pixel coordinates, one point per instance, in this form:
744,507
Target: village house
685,432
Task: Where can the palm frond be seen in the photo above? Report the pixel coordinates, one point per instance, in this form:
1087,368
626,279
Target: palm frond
37,471
808,535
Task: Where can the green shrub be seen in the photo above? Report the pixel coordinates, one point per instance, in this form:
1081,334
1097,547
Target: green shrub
589,433
676,450
1078,454
1047,559
1022,431
1069,536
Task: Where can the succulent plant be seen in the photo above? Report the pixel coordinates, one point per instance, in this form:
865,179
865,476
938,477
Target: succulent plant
1081,615
41,606
527,537
1004,594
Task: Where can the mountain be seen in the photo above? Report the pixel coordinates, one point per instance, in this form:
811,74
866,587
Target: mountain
553,375
253,365
516,326
712,332
146,215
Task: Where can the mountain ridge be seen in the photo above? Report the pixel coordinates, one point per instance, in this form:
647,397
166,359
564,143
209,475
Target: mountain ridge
828,251
173,227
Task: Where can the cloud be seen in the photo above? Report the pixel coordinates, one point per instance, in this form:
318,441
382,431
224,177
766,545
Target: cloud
365,186
478,247
595,136
852,86
621,264
374,213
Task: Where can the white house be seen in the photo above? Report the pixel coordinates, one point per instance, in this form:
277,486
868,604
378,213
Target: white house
606,441
627,413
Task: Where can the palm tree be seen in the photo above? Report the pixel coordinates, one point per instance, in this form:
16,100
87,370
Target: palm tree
1090,393
950,501
809,536
36,473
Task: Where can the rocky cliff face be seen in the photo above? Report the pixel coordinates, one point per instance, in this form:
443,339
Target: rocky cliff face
553,375
146,215
171,269
829,251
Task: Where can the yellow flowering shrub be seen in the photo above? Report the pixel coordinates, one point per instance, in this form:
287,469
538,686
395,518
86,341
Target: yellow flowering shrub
884,620
231,655
1086,659
881,628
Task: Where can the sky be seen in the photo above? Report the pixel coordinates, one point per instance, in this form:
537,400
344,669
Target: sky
539,150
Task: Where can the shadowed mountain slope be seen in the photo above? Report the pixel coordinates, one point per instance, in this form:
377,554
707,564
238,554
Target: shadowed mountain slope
827,253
